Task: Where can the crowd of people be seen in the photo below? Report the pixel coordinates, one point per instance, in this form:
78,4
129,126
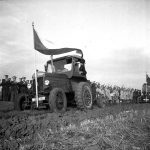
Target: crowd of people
10,87
115,94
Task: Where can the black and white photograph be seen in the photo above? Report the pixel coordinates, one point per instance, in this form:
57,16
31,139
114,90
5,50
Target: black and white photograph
75,75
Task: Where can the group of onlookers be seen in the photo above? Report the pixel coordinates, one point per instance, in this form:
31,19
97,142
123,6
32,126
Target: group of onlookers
114,93
10,87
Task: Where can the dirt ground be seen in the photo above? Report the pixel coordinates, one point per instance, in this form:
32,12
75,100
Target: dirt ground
117,127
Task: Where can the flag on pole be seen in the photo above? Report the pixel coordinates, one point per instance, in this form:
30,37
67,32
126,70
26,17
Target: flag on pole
38,45
147,79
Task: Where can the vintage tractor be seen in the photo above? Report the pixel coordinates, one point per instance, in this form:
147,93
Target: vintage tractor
61,83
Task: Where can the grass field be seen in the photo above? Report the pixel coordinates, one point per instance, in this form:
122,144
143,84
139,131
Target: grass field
119,127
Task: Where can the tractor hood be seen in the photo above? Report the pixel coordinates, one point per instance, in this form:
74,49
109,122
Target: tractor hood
55,75
48,81
54,80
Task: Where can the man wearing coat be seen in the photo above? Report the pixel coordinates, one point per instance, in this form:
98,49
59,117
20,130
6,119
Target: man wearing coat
23,85
5,88
14,89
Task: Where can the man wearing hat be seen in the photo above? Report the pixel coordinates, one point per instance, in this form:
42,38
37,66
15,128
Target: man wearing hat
23,88
14,89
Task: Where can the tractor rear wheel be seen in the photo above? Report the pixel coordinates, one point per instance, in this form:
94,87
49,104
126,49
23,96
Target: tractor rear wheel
57,100
83,96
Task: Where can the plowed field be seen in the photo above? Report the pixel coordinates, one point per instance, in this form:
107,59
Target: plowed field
117,127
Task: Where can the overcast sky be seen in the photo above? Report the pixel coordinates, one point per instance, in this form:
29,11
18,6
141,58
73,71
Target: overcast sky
113,34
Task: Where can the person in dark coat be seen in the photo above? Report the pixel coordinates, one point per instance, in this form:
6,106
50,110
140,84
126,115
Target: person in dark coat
19,85
82,70
14,89
3,84
23,85
5,88
9,87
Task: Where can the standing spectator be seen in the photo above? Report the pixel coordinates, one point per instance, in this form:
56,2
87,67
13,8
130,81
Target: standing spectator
19,85
23,85
14,89
9,89
5,88
134,96
119,93
1,98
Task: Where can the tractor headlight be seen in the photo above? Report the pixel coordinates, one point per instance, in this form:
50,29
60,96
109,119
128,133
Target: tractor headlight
46,82
29,86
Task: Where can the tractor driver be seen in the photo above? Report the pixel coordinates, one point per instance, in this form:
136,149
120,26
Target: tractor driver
82,70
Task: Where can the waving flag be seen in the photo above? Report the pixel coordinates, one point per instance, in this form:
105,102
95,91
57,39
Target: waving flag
147,79
38,45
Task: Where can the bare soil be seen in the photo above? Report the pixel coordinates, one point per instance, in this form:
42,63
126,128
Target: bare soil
117,127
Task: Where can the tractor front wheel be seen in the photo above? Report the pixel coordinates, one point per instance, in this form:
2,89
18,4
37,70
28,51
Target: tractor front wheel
57,100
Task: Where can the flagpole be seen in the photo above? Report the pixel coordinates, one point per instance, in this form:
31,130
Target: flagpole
36,88
36,84
51,57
